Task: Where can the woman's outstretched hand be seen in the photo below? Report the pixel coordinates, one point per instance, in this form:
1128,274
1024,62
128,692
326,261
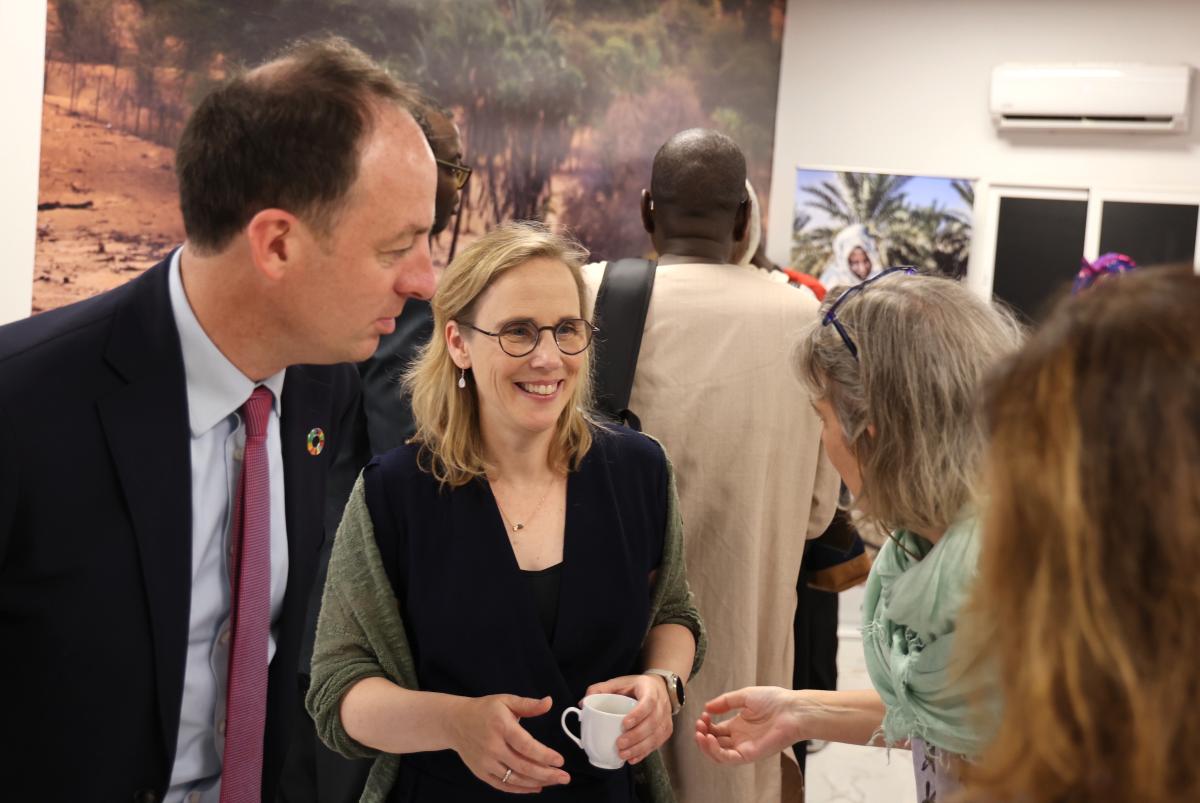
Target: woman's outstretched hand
765,723
490,741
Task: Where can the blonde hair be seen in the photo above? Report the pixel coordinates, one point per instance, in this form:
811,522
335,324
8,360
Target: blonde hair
1087,604
924,345
447,417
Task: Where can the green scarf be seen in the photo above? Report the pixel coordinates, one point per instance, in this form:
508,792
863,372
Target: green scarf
910,615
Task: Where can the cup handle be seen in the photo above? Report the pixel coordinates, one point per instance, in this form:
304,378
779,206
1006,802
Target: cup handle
567,730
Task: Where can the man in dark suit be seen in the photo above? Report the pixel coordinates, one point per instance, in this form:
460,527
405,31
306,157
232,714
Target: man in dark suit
137,558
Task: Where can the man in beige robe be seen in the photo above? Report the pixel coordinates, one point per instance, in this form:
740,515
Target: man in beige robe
715,384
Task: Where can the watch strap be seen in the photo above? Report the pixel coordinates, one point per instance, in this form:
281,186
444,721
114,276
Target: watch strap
673,682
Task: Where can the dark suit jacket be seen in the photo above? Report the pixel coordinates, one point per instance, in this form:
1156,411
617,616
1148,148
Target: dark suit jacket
95,545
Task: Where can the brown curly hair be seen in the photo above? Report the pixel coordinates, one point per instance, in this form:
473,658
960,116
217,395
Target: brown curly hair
1087,604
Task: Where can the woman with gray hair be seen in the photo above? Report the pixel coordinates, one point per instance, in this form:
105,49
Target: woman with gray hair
895,368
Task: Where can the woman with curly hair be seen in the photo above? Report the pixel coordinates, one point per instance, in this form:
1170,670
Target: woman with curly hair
1087,604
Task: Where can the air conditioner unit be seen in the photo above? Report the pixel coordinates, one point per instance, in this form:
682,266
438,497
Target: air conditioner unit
1092,97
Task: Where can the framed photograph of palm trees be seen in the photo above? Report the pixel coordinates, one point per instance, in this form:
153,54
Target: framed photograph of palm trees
850,225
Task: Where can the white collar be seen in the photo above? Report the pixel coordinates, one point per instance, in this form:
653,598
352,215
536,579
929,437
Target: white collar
215,386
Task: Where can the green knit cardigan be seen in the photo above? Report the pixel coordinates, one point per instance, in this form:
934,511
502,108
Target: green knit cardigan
360,634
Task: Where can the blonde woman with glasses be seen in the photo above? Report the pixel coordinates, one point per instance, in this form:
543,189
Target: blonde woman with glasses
509,560
895,367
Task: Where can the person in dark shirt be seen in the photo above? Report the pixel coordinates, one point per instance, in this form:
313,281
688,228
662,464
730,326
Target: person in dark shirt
388,413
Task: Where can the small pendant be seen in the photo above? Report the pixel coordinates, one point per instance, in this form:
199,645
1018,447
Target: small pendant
518,526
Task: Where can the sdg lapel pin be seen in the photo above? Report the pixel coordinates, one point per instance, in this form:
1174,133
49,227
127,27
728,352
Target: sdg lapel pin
316,441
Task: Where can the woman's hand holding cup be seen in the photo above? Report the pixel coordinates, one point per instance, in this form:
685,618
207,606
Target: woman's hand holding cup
490,741
649,725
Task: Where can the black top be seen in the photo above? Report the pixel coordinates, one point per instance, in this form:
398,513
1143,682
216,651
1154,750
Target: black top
545,583
474,620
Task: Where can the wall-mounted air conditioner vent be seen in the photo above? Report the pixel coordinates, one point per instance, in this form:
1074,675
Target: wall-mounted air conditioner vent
1097,97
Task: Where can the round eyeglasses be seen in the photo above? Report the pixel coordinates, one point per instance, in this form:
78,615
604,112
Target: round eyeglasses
520,338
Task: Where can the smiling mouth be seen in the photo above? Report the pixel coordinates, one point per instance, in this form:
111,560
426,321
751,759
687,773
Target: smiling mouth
539,388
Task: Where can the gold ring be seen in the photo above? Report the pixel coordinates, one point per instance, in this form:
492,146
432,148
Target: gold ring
507,775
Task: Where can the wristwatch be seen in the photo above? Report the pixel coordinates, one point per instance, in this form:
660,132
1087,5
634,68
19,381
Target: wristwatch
674,687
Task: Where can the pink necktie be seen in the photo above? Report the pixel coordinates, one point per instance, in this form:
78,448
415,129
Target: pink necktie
250,619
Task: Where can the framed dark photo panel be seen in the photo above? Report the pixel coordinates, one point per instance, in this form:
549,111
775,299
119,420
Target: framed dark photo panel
1030,245
1039,242
1151,233
1032,239
1150,227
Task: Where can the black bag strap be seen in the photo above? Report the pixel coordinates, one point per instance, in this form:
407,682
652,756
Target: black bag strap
621,305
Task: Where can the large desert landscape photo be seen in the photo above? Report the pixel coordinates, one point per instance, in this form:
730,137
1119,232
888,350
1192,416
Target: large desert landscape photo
561,107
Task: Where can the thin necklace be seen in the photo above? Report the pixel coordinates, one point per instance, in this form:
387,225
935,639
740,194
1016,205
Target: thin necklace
517,526
900,544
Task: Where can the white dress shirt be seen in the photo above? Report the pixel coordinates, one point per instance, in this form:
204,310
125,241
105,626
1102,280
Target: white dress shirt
216,390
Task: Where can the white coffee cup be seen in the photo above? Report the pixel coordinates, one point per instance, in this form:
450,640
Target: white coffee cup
600,724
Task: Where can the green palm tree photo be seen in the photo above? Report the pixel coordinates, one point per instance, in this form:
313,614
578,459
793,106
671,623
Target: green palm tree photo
897,219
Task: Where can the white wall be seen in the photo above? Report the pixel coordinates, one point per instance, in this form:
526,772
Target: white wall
22,52
902,86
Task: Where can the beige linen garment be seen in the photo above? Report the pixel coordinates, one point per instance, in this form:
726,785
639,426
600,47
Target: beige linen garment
715,383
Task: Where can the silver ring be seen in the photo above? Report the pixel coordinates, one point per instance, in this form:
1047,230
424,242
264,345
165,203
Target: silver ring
507,775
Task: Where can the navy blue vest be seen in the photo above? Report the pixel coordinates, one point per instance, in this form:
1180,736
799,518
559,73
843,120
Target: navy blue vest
471,617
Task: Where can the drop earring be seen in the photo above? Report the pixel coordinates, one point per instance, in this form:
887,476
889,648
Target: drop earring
462,378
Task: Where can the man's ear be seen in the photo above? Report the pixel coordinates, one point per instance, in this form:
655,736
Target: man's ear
741,221
647,212
273,237
457,346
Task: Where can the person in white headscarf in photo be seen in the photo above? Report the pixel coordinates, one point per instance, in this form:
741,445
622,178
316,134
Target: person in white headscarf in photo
855,258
